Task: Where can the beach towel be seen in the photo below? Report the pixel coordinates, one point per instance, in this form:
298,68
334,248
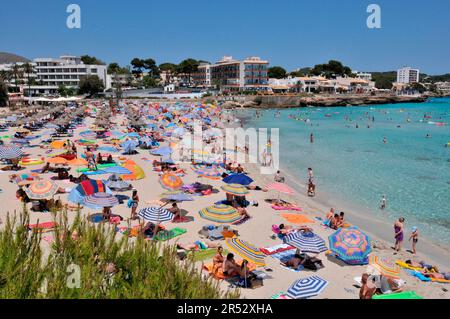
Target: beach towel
280,295
183,219
418,275
42,227
169,234
275,249
296,218
405,265
218,273
290,207
284,255
399,295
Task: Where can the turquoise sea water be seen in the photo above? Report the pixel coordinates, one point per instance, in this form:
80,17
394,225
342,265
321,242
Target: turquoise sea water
354,165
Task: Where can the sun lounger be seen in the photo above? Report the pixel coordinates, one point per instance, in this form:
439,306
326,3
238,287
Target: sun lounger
296,218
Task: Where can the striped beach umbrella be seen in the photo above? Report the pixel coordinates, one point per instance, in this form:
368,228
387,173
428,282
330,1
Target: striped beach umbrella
205,170
246,251
101,200
235,189
350,245
306,287
306,242
385,266
41,189
220,213
10,152
156,214
170,181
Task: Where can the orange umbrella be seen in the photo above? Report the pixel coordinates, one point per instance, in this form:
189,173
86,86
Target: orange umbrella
137,171
57,144
78,162
57,160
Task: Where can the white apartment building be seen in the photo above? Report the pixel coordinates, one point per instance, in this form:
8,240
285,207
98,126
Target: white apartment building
363,75
67,70
407,75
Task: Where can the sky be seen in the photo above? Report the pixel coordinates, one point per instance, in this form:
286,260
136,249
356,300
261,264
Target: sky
289,33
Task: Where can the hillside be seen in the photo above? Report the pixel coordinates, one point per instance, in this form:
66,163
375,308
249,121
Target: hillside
11,58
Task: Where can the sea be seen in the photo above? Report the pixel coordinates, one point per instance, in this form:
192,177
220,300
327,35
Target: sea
361,153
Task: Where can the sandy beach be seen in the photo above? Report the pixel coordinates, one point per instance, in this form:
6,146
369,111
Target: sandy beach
256,230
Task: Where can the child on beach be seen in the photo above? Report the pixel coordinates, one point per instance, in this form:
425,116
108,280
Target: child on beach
414,238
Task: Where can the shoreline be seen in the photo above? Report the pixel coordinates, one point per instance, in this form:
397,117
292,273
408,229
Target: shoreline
382,233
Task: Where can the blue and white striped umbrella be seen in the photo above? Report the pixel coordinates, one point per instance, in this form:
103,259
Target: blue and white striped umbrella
306,242
156,214
307,287
10,152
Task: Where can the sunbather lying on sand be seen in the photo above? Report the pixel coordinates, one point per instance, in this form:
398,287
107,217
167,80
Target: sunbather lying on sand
198,245
286,229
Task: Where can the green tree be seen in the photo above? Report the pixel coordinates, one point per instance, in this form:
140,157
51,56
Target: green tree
188,67
277,72
384,80
17,74
62,90
3,93
149,82
331,69
151,67
28,70
417,87
138,66
170,69
89,60
90,85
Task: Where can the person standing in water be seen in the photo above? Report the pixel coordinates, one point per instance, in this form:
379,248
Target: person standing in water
383,202
398,230
311,138
385,140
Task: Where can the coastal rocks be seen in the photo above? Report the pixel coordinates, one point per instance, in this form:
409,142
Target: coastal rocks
289,101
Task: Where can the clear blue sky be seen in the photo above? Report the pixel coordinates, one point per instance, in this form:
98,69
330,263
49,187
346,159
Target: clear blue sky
290,33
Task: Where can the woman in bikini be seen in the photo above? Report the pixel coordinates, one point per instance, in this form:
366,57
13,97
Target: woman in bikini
398,229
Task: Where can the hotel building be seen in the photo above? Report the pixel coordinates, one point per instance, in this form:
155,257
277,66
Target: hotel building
250,74
67,70
407,75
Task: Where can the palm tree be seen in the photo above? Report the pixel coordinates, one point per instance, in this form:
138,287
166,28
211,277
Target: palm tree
28,69
17,74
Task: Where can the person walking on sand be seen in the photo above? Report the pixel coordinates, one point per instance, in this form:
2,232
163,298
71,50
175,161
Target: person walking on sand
414,237
398,230
383,202
134,204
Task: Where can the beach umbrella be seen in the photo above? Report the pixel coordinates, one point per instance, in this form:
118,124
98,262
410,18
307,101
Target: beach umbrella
86,188
350,245
100,200
246,251
129,146
165,150
41,189
206,171
57,160
384,266
118,185
235,189
57,144
109,149
156,214
306,287
120,170
220,213
77,162
170,181
25,179
241,179
306,242
10,152
178,197
136,171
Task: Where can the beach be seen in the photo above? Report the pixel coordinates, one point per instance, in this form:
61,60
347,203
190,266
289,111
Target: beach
257,230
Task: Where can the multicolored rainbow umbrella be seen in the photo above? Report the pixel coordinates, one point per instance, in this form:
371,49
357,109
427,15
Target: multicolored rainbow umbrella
246,251
384,266
350,245
235,189
171,181
220,213
41,189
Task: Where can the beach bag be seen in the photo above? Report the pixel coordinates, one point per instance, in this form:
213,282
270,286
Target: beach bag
130,203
